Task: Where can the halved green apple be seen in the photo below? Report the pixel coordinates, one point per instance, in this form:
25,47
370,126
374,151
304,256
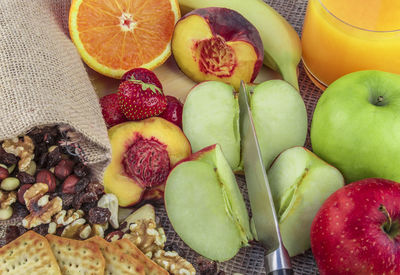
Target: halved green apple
205,206
211,115
300,182
280,118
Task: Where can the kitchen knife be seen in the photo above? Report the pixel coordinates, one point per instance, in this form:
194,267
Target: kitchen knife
276,259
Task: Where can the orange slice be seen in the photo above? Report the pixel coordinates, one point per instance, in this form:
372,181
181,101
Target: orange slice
114,36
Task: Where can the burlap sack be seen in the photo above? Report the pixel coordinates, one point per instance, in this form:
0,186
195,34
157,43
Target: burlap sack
42,78
42,81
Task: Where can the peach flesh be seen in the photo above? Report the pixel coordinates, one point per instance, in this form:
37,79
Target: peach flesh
217,44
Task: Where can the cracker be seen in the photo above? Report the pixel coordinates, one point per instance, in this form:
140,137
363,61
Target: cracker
150,267
117,262
28,254
77,257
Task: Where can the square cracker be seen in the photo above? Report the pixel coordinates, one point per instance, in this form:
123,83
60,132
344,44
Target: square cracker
28,254
77,257
150,267
117,262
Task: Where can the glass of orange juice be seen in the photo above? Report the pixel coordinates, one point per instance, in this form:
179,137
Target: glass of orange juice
344,36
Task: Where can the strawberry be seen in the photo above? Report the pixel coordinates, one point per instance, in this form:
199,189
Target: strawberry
138,99
143,74
173,112
111,111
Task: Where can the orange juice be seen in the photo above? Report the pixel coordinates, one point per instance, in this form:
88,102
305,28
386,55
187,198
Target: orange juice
343,36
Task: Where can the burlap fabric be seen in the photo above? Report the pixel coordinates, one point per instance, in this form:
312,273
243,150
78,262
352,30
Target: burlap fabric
43,81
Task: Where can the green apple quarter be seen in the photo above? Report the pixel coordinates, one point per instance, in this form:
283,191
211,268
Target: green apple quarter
205,206
356,125
300,182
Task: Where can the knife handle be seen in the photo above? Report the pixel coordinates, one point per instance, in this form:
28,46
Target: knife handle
281,272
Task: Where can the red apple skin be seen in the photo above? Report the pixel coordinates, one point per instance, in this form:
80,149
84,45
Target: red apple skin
347,235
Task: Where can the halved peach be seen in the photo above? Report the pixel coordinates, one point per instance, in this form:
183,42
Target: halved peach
217,44
143,152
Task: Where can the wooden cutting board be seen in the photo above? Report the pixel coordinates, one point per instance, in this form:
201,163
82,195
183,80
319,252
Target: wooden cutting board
173,80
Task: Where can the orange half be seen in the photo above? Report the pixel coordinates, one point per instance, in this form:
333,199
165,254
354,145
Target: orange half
114,36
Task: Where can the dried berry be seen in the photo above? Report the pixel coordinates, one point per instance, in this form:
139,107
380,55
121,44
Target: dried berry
40,149
21,192
81,170
64,168
47,177
13,232
98,215
81,185
87,206
206,267
96,188
82,198
8,159
67,200
26,178
42,161
54,157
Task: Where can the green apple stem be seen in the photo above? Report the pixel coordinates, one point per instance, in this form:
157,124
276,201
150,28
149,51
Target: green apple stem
390,227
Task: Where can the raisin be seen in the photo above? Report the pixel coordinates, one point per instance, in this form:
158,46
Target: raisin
25,178
42,161
81,170
81,185
40,149
8,159
96,188
87,206
98,215
206,267
54,157
67,200
84,197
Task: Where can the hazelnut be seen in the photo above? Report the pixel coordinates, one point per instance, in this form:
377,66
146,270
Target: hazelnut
3,173
64,168
21,193
69,184
45,176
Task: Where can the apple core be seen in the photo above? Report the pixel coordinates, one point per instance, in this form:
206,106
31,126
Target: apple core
147,162
215,56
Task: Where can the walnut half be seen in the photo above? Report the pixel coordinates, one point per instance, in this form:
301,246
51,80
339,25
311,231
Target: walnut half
22,148
40,208
173,263
146,236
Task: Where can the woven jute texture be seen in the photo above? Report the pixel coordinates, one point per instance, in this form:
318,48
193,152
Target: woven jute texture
43,81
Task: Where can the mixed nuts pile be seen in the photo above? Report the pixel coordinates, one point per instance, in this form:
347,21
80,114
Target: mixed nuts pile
44,182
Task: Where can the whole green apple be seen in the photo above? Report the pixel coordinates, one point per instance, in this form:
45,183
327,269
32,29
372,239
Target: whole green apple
356,125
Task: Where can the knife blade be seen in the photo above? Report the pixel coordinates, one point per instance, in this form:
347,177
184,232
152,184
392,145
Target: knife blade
277,260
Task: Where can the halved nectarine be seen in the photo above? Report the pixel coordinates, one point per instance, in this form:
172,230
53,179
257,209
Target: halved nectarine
143,152
217,44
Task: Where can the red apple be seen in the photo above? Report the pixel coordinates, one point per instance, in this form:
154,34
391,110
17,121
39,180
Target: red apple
357,229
